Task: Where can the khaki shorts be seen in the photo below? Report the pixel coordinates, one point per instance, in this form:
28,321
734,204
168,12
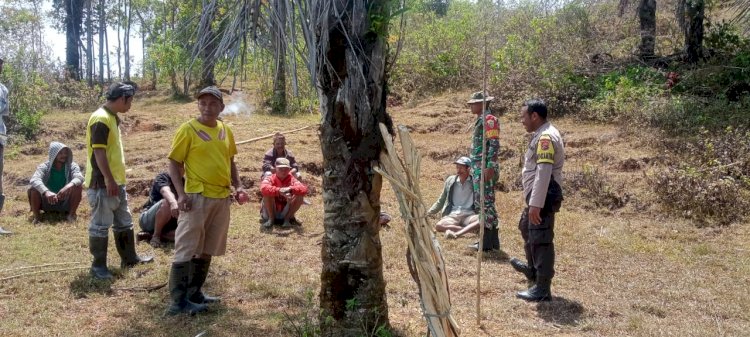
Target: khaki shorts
203,229
462,220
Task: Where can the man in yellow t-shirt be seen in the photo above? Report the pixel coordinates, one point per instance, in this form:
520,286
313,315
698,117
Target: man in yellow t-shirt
204,148
105,180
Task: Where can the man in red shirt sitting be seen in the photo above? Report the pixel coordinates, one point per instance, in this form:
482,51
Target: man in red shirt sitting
283,195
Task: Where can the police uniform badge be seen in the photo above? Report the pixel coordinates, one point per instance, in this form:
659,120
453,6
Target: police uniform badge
545,151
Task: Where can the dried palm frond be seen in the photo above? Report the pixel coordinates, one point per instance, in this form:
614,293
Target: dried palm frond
424,254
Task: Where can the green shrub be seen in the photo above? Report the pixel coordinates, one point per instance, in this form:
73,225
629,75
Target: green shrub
595,188
705,195
28,94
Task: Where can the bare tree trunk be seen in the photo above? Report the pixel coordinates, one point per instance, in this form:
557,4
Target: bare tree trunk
106,44
647,18
73,18
126,37
102,28
278,36
90,43
208,38
694,15
119,45
350,74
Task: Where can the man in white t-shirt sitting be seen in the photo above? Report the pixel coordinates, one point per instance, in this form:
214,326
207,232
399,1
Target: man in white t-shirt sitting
456,203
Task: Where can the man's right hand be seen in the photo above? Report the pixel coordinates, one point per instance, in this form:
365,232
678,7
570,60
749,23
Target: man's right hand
184,202
51,197
112,189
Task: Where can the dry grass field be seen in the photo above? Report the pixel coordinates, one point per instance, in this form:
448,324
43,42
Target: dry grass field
625,267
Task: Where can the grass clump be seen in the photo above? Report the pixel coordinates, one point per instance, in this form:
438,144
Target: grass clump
595,188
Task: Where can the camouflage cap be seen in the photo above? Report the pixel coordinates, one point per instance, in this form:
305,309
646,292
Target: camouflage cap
479,97
210,90
120,89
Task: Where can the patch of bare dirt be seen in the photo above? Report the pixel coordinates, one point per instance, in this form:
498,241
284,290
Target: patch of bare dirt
247,182
34,151
313,168
630,165
582,142
138,126
139,186
447,154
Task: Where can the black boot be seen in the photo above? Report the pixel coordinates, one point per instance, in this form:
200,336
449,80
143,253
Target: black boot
540,291
200,271
125,242
490,241
179,280
524,269
98,248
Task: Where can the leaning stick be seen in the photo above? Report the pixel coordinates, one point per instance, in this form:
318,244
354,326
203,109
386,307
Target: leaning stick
271,135
38,266
482,214
39,272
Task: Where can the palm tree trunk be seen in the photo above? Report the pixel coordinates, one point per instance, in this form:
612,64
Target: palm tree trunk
352,91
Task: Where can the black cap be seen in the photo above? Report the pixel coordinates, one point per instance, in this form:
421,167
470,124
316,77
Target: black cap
211,90
120,89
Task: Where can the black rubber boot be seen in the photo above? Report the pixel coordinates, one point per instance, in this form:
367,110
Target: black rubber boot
490,241
179,281
98,248
125,242
524,269
540,291
200,272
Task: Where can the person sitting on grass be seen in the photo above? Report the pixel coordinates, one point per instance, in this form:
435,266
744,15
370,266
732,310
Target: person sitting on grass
282,194
158,220
279,150
56,184
456,203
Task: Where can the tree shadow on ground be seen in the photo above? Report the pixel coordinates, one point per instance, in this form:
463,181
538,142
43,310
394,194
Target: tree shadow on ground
561,311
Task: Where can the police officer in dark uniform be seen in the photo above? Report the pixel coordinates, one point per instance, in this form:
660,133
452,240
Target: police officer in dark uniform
542,176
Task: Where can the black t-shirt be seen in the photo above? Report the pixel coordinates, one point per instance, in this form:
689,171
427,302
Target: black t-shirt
161,180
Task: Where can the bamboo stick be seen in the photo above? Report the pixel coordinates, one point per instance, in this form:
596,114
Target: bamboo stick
271,135
39,272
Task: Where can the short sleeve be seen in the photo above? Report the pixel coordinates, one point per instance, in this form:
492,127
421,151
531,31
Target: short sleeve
180,144
99,135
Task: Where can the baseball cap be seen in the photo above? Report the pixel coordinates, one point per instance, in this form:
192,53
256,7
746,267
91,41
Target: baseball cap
465,161
120,89
210,90
282,162
479,97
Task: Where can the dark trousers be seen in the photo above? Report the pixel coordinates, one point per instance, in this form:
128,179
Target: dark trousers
538,245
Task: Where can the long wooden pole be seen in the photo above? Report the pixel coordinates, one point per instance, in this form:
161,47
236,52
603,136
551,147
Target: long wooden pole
482,220
271,135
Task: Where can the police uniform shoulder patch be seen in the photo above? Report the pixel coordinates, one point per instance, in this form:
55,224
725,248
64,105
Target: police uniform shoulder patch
491,127
545,151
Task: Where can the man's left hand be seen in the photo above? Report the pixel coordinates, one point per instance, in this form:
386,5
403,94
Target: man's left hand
535,217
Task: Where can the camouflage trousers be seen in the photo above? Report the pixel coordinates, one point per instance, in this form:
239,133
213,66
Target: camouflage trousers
490,212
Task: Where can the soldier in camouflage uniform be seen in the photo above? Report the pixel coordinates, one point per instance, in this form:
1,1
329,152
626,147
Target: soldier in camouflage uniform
486,126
